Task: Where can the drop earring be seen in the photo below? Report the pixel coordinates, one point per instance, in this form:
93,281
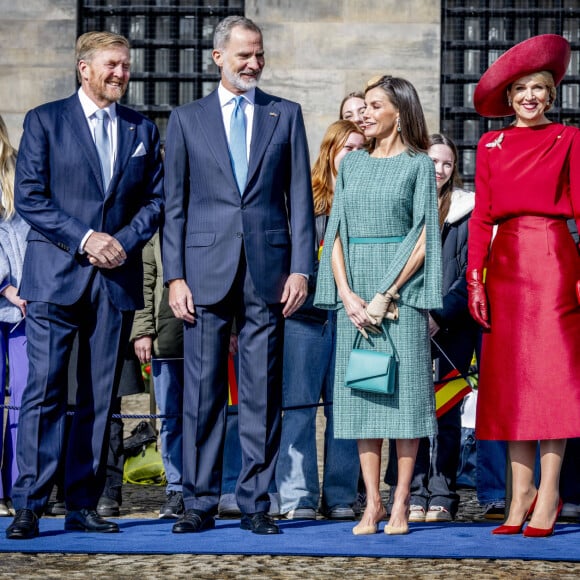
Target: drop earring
510,102
398,124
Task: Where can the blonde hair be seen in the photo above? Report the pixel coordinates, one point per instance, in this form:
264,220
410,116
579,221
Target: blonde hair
7,172
354,95
323,170
91,42
548,79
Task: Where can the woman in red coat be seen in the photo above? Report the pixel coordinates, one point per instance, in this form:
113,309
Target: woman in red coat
522,285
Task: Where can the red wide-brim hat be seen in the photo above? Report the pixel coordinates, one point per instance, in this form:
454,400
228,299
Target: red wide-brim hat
550,52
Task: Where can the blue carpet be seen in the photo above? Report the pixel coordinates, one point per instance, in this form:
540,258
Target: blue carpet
302,538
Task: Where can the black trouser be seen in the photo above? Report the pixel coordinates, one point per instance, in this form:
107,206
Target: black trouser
116,456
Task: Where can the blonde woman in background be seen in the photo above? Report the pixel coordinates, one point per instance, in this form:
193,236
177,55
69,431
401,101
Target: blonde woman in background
13,232
352,107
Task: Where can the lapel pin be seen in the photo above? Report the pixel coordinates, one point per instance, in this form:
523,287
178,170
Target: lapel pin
496,142
273,114
132,128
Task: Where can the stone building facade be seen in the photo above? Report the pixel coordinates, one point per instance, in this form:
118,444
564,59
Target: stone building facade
317,51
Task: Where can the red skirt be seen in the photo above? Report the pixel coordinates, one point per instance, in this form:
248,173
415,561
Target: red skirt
529,380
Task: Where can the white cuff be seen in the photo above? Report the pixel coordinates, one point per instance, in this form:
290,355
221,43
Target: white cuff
84,241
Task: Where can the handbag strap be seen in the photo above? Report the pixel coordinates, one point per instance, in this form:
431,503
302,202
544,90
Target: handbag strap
359,337
443,353
467,378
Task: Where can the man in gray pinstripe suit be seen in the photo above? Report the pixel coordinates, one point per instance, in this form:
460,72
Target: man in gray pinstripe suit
235,251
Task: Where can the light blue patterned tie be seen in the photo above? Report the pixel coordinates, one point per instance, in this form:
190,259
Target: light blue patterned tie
238,148
103,145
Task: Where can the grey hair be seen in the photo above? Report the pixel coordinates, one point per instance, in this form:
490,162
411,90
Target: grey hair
223,30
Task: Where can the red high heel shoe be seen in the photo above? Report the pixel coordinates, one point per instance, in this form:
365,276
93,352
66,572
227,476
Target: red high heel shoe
531,532
504,530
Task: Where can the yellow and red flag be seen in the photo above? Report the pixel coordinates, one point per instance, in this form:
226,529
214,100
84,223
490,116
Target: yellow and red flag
449,391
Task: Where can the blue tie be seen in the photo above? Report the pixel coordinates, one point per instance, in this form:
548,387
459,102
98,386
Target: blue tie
103,145
238,150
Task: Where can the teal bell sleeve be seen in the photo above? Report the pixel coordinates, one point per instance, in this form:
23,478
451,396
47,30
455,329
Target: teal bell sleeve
326,295
424,289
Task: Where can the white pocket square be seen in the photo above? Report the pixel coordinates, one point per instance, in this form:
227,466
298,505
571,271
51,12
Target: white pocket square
140,151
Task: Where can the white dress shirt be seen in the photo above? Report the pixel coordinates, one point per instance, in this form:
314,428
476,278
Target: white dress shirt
89,109
227,106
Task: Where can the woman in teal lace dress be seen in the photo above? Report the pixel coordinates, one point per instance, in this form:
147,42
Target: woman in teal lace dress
381,266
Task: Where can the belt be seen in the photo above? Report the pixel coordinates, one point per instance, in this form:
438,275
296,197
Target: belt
384,240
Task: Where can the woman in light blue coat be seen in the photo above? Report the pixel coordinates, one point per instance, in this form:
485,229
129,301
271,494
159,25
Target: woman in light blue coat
13,232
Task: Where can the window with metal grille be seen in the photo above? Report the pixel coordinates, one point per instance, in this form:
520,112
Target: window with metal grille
474,34
171,44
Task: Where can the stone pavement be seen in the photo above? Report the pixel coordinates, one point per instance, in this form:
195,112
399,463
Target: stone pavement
143,501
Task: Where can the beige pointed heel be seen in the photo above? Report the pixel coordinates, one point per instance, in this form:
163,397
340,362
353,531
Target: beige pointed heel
396,530
360,530
366,530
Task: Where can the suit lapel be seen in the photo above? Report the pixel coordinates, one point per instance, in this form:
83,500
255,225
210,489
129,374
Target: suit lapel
211,124
126,136
74,116
266,116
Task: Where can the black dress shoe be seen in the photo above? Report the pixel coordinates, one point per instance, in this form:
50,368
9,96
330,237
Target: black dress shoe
108,507
86,520
259,523
55,508
24,526
193,521
173,508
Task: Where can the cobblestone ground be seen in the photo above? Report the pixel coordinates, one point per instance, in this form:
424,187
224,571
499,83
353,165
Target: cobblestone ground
143,501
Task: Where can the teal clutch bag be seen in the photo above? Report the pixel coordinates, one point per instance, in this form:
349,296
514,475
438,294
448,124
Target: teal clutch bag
371,371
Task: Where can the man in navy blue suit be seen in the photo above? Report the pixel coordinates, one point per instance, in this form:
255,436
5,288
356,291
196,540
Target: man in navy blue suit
89,182
237,243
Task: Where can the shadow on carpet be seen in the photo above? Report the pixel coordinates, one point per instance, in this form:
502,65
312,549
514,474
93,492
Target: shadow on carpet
301,538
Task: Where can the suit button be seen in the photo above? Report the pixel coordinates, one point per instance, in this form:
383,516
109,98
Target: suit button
239,235
243,206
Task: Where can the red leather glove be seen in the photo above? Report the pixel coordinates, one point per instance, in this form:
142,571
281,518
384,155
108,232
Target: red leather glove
476,298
